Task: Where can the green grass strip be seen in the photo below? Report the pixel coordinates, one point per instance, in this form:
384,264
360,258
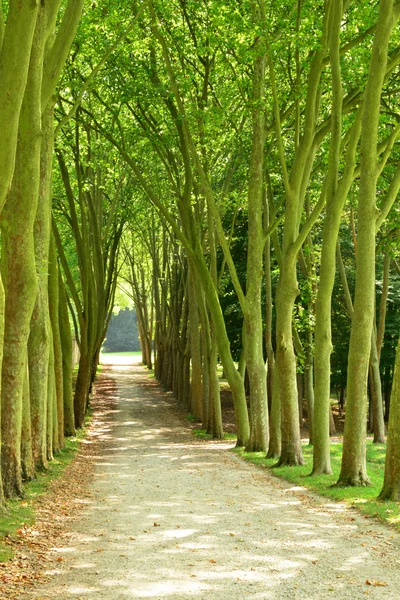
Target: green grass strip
203,435
363,498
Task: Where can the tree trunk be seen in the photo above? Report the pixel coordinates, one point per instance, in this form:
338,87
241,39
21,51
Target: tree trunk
82,383
50,403
252,313
38,345
55,325
300,398
391,483
66,346
19,268
376,393
332,426
286,294
353,470
52,423
196,391
275,437
2,310
309,389
27,465
15,53
214,424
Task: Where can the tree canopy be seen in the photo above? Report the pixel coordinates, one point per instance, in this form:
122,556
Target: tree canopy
233,168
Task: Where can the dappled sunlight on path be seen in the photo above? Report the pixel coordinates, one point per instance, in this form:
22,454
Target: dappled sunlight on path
177,518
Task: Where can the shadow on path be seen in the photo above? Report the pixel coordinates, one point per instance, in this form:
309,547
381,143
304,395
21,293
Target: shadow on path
176,518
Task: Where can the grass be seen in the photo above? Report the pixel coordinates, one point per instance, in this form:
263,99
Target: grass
203,435
363,498
22,512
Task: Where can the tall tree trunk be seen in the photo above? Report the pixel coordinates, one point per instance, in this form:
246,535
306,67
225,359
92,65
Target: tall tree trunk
214,425
309,387
275,438
38,345
335,200
252,313
66,346
353,470
15,53
391,483
55,325
376,393
50,402
274,448
383,304
82,385
27,465
19,268
286,294
196,391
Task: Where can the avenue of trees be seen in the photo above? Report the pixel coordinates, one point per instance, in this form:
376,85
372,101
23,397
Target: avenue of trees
234,168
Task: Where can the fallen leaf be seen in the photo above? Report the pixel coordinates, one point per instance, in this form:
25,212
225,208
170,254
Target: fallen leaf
376,583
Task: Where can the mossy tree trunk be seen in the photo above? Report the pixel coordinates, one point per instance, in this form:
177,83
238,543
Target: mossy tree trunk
274,447
391,483
336,195
286,294
15,52
252,313
18,264
376,392
66,346
353,469
39,340
196,388
27,464
55,326
214,412
55,53
295,183
16,36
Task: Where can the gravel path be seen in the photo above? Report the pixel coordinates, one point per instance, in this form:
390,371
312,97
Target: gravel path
176,518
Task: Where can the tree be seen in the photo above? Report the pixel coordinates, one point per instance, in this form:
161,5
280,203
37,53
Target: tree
353,471
48,55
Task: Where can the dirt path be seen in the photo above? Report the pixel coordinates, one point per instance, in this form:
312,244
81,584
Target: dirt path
176,518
